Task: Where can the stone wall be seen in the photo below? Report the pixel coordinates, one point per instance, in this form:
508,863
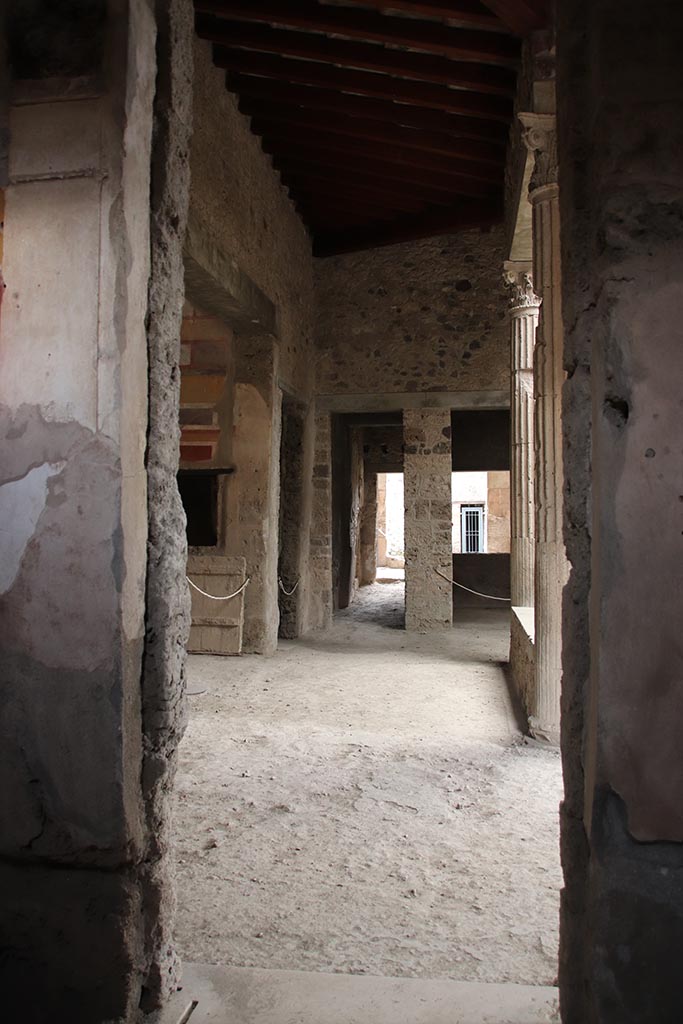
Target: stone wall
383,449
418,317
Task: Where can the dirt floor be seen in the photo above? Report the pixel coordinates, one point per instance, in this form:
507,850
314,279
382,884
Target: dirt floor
363,802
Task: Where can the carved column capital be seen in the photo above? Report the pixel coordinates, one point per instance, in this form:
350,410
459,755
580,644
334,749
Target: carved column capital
520,285
540,137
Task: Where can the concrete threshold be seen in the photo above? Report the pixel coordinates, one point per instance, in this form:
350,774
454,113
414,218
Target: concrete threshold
243,995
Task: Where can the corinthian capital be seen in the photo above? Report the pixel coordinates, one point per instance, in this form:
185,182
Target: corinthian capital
518,281
540,138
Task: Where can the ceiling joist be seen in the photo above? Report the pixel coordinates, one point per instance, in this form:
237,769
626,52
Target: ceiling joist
363,83
352,54
356,23
281,116
275,137
366,107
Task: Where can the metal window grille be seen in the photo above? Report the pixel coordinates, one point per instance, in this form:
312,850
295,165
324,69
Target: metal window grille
472,529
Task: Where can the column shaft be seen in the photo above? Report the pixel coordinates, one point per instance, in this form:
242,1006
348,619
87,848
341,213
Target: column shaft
551,561
524,306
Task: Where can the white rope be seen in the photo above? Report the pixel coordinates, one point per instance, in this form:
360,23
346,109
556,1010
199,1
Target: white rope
226,597
468,589
288,593
380,530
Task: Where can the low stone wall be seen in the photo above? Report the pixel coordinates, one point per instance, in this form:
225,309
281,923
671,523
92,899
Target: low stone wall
489,574
522,655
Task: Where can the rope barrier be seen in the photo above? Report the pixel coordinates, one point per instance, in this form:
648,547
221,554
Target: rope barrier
491,597
288,593
225,597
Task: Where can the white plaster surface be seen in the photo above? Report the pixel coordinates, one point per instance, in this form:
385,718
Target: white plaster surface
57,139
51,298
21,503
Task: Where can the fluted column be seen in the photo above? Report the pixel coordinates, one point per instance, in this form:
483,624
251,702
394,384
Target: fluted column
551,560
524,306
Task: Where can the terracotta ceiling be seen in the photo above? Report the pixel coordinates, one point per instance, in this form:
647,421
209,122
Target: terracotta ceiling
387,120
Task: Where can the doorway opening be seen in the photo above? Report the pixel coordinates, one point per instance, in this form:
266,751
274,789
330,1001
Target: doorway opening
368,516
390,528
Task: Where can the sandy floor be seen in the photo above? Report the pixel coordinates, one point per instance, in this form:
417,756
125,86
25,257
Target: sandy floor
363,802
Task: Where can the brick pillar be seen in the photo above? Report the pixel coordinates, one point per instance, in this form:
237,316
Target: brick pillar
427,471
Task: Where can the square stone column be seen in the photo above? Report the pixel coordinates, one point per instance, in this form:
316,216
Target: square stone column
427,469
367,570
88,359
319,602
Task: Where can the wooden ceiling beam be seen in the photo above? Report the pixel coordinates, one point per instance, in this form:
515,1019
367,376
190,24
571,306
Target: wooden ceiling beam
283,117
457,218
351,191
363,83
326,196
364,107
355,23
319,213
383,171
302,178
275,137
474,13
351,54
520,16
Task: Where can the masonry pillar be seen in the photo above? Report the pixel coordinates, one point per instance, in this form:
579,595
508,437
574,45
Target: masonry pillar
619,74
427,472
524,305
319,603
551,561
367,569
254,489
